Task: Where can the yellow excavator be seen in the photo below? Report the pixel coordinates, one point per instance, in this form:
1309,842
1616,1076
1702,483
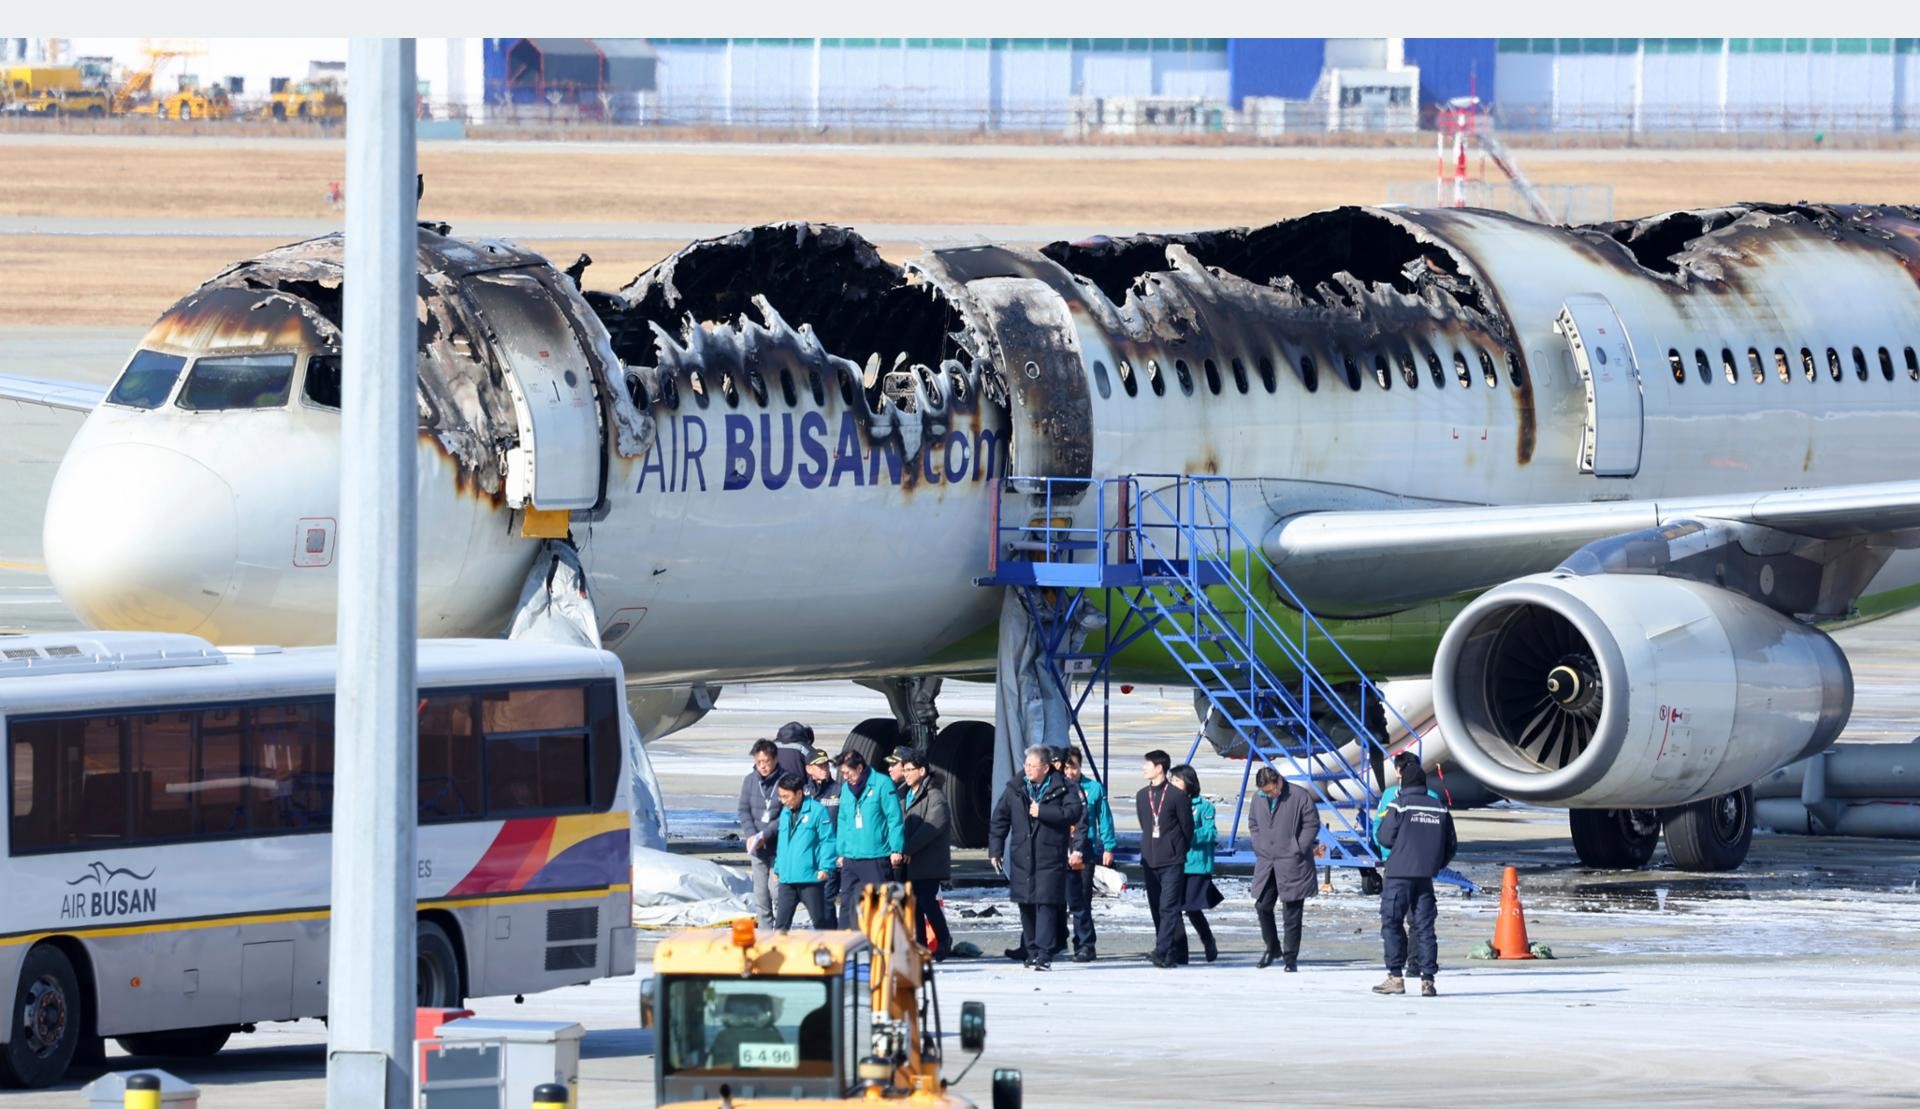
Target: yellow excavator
750,1021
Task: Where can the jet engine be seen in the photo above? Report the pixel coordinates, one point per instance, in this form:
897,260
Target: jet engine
1623,691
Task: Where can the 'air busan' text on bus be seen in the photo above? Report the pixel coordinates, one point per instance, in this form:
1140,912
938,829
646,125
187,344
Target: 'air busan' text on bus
763,451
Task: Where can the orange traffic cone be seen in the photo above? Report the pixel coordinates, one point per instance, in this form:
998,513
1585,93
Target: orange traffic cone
1510,930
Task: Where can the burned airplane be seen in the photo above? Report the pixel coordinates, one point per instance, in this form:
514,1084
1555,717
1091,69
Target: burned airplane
1603,484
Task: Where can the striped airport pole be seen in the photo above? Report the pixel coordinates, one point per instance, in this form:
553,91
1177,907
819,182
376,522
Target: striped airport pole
142,1091
549,1095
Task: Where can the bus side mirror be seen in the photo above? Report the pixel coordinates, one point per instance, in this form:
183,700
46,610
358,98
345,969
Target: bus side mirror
973,1026
646,1003
1006,1089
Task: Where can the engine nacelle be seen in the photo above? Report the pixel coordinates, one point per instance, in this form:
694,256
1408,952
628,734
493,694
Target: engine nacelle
1632,691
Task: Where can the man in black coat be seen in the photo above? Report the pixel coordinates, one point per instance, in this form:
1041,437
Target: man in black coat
1284,824
927,854
1166,831
1038,820
1418,830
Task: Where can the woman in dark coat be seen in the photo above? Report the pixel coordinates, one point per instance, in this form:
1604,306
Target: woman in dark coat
1284,825
1198,884
1039,818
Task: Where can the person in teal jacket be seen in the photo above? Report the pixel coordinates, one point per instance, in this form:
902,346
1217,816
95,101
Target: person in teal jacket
1100,842
872,832
803,854
1198,888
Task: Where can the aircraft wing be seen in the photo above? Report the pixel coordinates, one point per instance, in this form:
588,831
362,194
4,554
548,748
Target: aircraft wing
1367,562
74,396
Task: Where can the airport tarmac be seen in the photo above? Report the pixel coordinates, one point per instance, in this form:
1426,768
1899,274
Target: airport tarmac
1788,982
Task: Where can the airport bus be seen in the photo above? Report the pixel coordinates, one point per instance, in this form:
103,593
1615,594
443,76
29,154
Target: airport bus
166,857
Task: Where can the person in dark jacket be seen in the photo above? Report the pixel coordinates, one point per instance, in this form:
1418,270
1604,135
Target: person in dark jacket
1419,830
1038,821
822,788
927,856
1166,831
1100,845
1284,824
759,803
792,745
803,854
1196,880
870,831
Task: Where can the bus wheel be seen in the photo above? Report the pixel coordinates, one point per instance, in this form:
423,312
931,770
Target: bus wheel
47,1017
437,973
181,1043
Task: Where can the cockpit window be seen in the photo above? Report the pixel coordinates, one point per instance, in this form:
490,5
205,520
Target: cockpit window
323,380
238,381
148,380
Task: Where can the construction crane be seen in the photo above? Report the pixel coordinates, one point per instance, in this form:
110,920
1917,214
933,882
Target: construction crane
757,1022
1461,116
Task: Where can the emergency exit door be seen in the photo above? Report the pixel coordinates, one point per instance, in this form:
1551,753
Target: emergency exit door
1603,356
557,462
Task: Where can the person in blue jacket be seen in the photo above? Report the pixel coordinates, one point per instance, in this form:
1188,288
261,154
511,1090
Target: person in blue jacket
803,854
1387,795
871,834
1100,842
1197,887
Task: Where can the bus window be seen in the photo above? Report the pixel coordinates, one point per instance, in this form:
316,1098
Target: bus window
533,710
22,780
75,774
291,785
536,772
219,781
163,780
449,759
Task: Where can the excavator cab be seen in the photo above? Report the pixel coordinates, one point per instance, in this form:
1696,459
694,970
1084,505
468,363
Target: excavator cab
742,1019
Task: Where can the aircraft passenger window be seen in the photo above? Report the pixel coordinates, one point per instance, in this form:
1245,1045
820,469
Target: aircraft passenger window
1409,372
1185,378
1382,373
1213,377
1726,367
1780,365
1913,365
728,390
1352,371
1460,370
1155,378
636,388
1886,364
1433,367
787,391
237,381
817,387
698,386
1240,376
1678,365
1127,380
148,380
1516,373
1700,366
322,386
1487,372
1808,366
1309,375
1266,374
1759,368
669,392
1859,364
1833,364
847,394
1100,379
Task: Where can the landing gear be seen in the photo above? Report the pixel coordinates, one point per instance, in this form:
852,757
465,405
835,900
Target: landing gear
873,738
1713,834
1614,839
962,761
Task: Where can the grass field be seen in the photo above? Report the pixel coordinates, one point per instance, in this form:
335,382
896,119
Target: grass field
120,281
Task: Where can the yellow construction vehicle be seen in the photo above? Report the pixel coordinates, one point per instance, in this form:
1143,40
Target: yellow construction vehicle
288,99
193,102
750,1021
53,90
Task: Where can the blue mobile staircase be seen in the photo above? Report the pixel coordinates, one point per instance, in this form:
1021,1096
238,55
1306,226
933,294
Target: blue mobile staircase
1164,557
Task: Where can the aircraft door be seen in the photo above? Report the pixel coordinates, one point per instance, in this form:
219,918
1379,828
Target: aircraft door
1603,354
556,465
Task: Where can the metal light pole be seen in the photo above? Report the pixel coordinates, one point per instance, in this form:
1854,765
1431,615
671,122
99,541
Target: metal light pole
370,987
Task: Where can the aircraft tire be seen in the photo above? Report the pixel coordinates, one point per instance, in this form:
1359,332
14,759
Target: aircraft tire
961,758
1610,839
873,737
180,1043
1712,835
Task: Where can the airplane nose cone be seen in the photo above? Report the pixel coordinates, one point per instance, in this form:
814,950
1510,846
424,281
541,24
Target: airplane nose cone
140,537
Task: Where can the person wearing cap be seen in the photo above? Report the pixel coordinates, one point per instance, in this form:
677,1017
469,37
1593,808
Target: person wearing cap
1101,842
895,764
927,856
759,804
822,787
870,831
1418,830
803,854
